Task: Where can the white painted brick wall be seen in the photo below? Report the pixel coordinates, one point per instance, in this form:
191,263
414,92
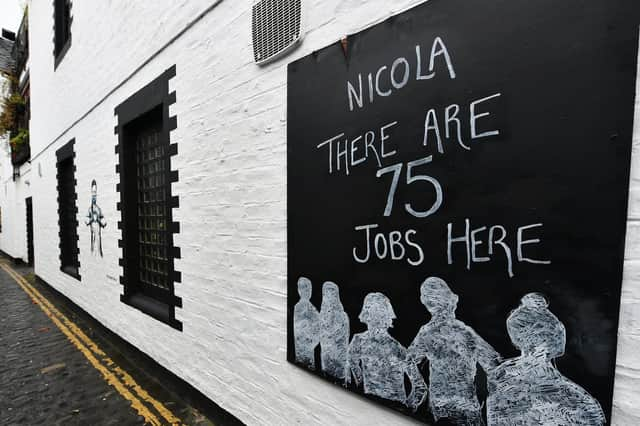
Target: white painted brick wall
13,234
13,214
232,161
626,397
13,238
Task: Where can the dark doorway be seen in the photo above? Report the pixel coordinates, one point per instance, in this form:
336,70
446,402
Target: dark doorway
29,230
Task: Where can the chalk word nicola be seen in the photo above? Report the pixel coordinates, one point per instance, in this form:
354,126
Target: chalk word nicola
398,75
472,238
345,153
394,245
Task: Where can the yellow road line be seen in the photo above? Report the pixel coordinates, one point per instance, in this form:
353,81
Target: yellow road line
86,346
125,377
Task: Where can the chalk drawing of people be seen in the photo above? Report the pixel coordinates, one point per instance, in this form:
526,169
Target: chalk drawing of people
95,220
379,361
453,350
529,389
306,325
334,332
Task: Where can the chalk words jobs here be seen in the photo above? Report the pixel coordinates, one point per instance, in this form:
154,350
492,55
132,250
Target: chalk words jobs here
344,153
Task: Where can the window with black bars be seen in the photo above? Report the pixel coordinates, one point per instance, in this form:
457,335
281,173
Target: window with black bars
67,212
62,26
147,228
152,167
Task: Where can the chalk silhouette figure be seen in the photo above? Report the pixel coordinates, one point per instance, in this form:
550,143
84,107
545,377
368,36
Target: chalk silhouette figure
378,361
95,221
453,350
334,332
306,325
529,389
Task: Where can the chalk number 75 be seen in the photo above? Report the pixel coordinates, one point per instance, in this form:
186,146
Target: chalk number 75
411,178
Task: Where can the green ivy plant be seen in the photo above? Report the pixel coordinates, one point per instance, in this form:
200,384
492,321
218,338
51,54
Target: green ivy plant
12,105
19,140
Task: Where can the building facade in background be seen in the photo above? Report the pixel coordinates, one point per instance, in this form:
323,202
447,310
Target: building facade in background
157,183
16,212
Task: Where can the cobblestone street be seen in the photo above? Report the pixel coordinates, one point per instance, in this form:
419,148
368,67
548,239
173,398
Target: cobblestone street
43,376
47,376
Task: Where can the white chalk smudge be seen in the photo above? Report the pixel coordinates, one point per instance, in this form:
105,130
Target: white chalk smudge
378,361
523,391
305,325
452,350
334,332
529,389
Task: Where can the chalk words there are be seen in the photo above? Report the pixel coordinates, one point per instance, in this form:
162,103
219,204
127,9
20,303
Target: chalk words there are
456,123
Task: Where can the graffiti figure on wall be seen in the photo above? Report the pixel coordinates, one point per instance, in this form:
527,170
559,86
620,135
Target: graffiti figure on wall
306,325
529,389
378,361
334,332
95,221
452,350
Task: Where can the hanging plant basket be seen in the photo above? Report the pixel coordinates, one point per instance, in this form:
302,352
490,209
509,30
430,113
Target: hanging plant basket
13,108
20,149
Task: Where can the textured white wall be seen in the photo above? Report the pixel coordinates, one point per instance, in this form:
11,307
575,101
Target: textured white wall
231,139
13,237
11,201
626,397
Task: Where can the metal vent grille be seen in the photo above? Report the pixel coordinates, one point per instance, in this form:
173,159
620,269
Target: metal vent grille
276,27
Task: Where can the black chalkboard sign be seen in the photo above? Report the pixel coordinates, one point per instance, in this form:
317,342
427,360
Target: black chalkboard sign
457,194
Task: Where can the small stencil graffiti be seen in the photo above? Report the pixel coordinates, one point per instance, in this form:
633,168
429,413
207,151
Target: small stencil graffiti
95,221
527,390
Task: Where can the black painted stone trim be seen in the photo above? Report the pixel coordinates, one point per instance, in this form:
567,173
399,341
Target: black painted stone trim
28,212
64,153
151,97
135,356
58,56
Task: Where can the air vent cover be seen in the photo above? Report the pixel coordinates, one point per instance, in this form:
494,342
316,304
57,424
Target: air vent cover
276,28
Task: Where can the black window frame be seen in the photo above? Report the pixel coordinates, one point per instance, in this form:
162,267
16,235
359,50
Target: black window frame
67,231
154,98
62,20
